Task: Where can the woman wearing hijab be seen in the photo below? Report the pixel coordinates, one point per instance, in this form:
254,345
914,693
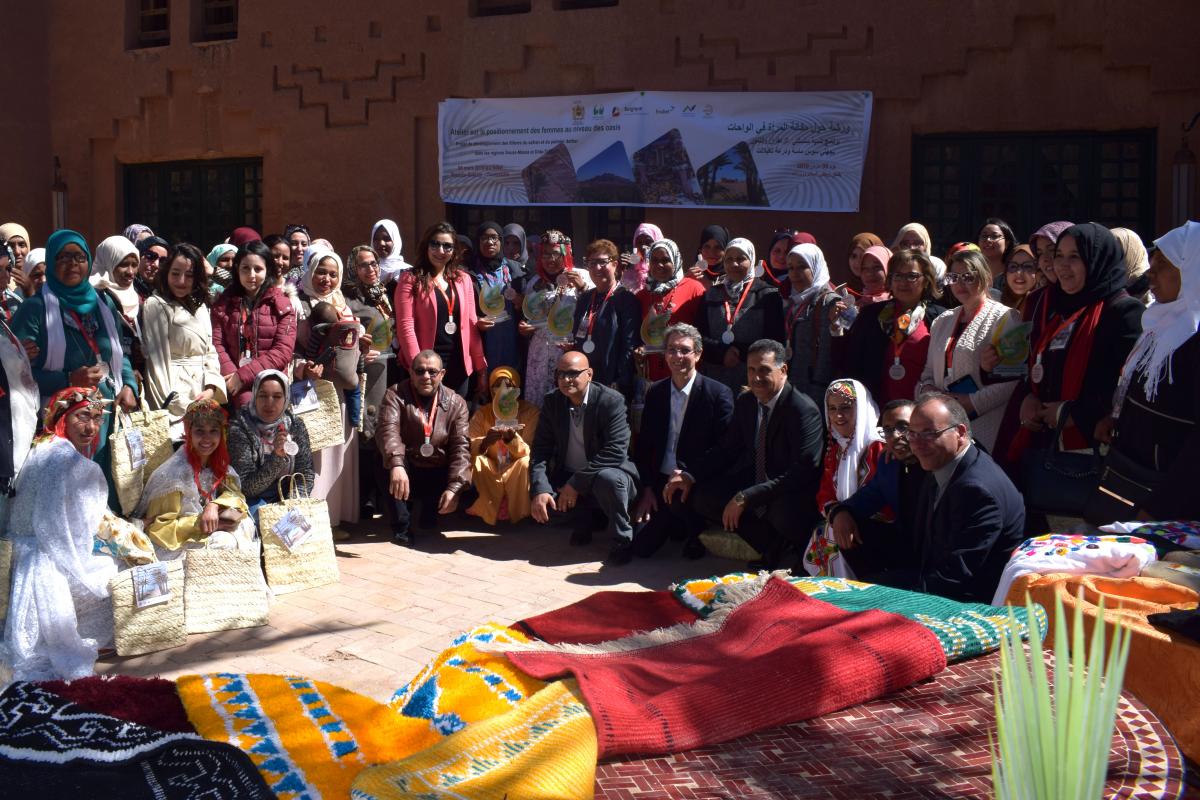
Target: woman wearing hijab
735,313
220,258
136,232
435,310
498,277
556,275
1137,264
955,340
855,445
670,298
35,271
515,244
1080,338
635,265
774,268
298,239
113,270
386,241
805,321
858,246
60,610
888,342
1150,468
268,442
182,365
710,260
1021,278
194,499
77,334
154,252
253,323
16,237
370,300
607,317
500,456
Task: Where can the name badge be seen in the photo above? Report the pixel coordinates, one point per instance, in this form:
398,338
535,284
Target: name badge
1061,338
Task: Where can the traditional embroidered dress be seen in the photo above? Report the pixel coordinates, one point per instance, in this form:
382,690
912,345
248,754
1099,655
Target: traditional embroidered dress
502,471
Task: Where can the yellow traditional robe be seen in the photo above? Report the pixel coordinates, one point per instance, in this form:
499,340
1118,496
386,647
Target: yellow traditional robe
503,470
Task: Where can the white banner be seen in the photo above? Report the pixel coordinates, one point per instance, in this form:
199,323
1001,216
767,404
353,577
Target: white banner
794,151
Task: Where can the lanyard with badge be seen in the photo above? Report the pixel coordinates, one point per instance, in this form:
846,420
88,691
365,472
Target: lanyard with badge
731,316
93,345
1056,339
427,422
451,298
588,345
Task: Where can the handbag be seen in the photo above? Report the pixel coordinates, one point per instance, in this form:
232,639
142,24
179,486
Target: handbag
305,562
1123,489
150,628
1057,482
223,590
322,420
139,443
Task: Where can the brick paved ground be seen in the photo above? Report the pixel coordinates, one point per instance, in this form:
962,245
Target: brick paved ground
395,608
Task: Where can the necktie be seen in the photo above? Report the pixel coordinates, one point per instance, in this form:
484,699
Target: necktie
760,445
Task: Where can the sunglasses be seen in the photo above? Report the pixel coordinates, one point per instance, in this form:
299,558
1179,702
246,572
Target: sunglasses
959,277
445,247
151,256
568,374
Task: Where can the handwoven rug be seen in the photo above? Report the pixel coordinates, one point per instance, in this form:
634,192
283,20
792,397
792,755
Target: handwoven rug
606,615
51,748
308,739
542,749
153,702
464,685
927,741
767,655
965,630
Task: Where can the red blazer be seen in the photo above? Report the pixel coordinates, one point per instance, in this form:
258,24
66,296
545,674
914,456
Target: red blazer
416,318
269,331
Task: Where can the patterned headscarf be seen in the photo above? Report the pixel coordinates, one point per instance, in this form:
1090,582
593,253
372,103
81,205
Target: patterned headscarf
662,287
505,372
135,230
63,404
207,412
866,422
554,240
222,275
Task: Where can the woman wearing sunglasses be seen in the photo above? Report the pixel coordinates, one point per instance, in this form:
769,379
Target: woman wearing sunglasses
435,310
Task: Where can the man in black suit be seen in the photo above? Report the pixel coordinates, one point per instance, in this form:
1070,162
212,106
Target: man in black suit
970,516
581,446
684,415
761,478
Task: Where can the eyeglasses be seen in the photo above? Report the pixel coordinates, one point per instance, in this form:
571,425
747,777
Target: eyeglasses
928,436
960,277
898,431
445,247
77,258
368,265
569,374
1029,267
992,237
151,256
907,277
425,371
598,263
493,239
680,351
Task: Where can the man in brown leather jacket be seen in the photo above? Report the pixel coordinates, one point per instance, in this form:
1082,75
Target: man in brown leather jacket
422,436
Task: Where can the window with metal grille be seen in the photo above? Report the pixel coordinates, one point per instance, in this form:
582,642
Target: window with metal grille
217,20
195,201
149,23
496,8
1029,179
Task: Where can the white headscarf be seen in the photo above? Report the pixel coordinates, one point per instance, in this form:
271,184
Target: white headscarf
1166,326
109,253
866,423
34,257
312,257
747,247
393,264
815,259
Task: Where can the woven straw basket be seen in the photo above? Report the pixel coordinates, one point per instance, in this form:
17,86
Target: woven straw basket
223,590
155,427
724,544
145,630
5,576
324,424
314,562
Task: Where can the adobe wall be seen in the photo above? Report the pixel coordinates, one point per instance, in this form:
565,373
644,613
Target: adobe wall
343,107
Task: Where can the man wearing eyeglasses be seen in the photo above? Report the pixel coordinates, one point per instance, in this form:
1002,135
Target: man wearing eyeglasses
581,446
683,417
970,516
422,437
760,479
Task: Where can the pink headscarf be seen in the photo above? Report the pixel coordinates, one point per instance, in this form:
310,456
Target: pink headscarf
634,278
884,255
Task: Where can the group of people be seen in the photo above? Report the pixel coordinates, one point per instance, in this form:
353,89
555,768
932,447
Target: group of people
878,427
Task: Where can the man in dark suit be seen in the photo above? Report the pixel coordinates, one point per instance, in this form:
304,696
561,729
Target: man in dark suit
581,446
761,478
970,516
684,415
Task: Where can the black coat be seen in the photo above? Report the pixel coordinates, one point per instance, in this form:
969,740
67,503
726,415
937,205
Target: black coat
761,317
969,535
605,438
795,442
705,419
614,334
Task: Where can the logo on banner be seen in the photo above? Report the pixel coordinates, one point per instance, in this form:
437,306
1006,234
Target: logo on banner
689,110
597,111
708,110
577,111
616,111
